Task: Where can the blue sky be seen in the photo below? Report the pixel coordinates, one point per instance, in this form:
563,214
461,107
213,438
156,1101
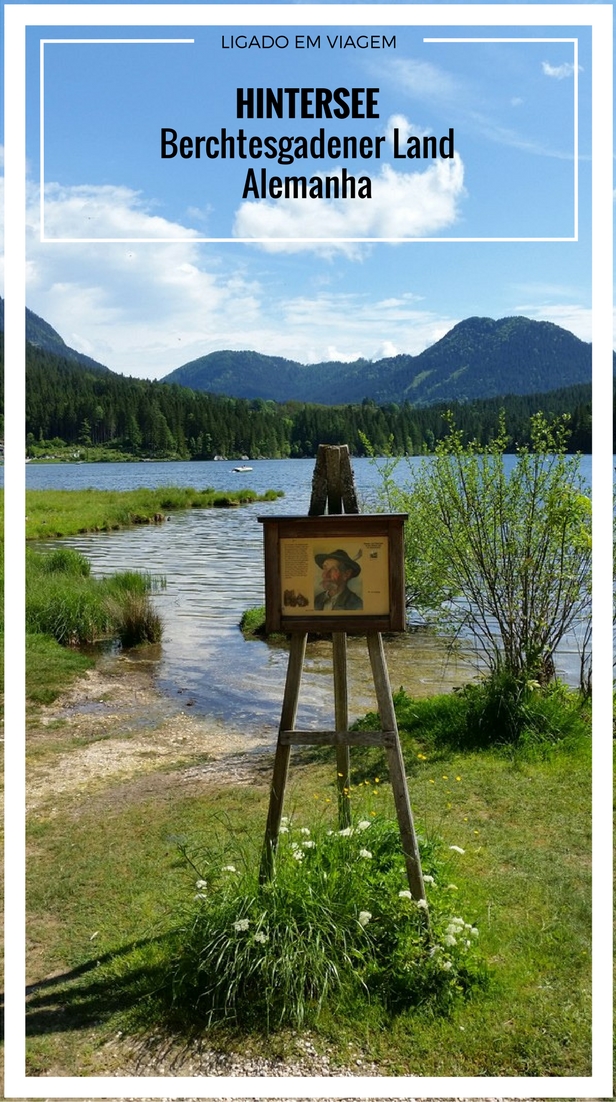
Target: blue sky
145,308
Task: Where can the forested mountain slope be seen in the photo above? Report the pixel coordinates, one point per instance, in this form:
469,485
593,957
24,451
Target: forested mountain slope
478,358
68,402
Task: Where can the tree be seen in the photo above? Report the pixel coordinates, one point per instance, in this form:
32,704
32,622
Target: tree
502,555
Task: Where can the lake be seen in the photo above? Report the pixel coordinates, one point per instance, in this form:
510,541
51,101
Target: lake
213,563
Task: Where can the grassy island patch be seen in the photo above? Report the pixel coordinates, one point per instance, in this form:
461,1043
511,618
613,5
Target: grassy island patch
53,513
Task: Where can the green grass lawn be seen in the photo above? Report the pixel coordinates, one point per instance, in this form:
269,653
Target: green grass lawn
103,905
108,889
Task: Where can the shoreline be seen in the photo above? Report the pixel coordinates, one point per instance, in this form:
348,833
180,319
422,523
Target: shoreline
115,725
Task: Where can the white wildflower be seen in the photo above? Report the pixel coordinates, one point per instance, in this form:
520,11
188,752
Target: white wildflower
428,879
449,939
200,884
199,895
422,904
261,936
446,965
457,849
406,894
284,818
304,830
365,853
365,823
229,868
283,830
458,921
298,855
346,832
309,844
241,924
364,918
474,932
451,929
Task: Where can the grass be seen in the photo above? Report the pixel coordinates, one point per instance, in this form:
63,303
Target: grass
51,668
64,602
335,927
53,513
252,623
521,720
110,913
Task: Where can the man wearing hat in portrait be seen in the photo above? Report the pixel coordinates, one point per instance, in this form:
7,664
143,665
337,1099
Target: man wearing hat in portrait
337,568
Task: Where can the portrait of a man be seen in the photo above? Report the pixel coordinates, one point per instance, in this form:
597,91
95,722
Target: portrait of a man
337,570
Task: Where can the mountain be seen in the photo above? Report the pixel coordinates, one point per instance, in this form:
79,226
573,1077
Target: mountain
478,358
41,335
73,401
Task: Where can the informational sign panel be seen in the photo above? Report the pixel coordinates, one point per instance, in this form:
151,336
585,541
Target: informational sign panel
335,573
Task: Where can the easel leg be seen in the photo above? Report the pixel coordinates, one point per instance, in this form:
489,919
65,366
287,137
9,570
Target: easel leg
397,774
283,753
341,704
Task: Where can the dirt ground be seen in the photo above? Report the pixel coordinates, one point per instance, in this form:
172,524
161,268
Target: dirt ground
113,725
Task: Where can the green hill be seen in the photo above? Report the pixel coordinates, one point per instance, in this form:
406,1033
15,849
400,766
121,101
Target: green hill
478,358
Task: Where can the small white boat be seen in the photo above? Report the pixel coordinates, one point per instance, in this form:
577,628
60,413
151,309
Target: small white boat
239,470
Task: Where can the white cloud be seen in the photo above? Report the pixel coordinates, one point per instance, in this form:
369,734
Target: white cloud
387,349
144,309
404,127
358,325
558,72
577,319
86,211
139,308
403,205
425,81
468,105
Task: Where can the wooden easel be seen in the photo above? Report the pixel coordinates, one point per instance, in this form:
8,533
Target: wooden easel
333,487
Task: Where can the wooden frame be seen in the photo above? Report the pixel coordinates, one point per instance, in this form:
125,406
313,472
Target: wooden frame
368,550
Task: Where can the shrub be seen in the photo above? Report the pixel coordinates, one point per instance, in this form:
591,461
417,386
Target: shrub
499,712
334,925
503,557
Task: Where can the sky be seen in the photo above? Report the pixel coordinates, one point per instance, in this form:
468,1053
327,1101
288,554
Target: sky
144,307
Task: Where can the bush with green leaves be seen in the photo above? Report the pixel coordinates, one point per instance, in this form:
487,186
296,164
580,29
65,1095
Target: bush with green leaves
499,711
335,925
501,555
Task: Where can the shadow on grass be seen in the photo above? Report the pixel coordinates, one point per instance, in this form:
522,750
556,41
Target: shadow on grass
134,977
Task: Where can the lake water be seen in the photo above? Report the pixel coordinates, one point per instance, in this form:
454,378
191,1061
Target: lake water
213,563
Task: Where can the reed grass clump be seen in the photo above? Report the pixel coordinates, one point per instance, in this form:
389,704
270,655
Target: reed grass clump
72,611
135,620
335,927
65,603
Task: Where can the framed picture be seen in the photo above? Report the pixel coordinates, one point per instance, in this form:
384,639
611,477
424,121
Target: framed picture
335,573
